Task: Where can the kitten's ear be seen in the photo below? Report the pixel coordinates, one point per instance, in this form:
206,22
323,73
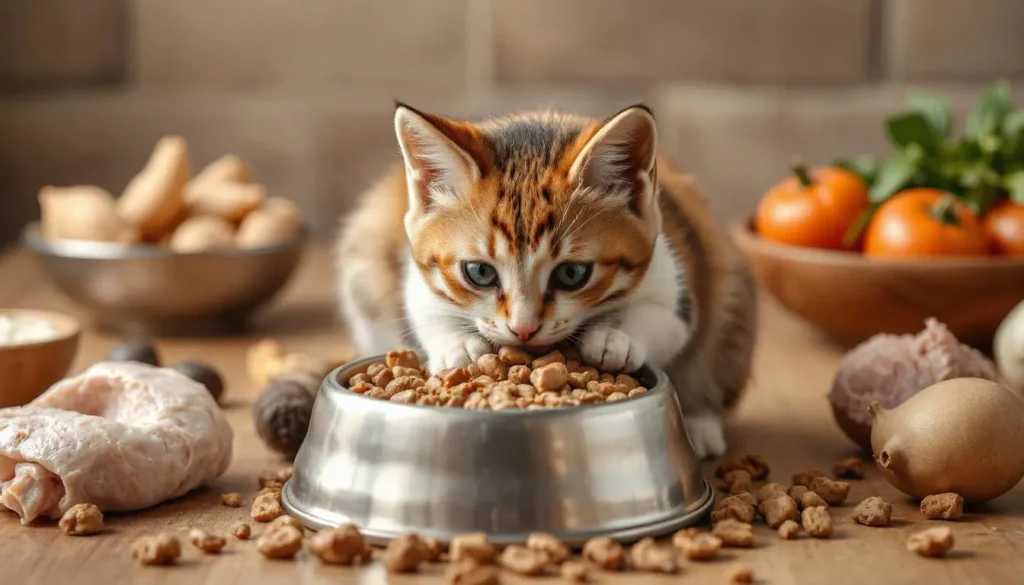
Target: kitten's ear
439,157
622,153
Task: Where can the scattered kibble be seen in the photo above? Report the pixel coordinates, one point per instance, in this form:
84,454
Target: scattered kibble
473,547
523,560
789,530
777,510
947,506
933,542
405,554
206,542
157,549
556,550
82,520
469,573
770,491
573,571
648,555
738,481
267,506
804,477
833,492
849,468
340,546
605,553
817,522
700,546
734,533
281,543
873,511
231,500
242,531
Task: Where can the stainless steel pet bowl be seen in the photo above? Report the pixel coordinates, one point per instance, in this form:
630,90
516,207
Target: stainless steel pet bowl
624,470
151,290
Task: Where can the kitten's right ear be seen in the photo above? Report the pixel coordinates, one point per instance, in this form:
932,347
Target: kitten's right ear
442,157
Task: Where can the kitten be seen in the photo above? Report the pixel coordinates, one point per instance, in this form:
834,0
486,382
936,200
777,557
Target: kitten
544,228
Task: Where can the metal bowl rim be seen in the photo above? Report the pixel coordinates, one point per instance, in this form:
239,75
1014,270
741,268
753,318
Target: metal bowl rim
89,250
332,384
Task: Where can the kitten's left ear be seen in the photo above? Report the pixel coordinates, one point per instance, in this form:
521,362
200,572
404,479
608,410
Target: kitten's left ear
622,153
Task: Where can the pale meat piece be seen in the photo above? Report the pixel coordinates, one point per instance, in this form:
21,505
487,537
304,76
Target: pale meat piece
123,436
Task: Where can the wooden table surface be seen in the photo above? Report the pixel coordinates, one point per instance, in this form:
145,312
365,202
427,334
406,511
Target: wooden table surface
784,416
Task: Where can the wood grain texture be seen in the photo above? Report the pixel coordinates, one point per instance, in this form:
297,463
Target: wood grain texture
850,297
785,417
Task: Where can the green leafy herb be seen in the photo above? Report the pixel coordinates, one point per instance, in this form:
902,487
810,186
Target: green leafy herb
895,173
1014,184
988,114
935,109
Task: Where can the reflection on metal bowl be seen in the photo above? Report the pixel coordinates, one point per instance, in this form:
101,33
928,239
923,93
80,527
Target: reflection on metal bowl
624,470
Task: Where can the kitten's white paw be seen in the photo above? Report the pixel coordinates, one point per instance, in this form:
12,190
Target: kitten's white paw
459,354
707,434
612,349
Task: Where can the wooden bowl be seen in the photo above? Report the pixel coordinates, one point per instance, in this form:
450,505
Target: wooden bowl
850,297
27,369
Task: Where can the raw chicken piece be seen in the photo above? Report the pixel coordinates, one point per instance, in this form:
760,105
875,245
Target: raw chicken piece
123,436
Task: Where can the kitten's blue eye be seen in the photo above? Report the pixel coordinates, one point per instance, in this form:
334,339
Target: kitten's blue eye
571,275
480,274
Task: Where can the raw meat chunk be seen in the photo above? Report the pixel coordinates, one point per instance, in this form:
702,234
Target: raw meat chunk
123,436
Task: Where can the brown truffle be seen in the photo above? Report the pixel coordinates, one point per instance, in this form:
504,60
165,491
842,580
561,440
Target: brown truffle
282,415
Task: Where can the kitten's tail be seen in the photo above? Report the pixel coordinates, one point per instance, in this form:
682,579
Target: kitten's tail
368,266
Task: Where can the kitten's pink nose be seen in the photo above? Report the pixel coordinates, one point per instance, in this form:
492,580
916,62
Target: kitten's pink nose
524,332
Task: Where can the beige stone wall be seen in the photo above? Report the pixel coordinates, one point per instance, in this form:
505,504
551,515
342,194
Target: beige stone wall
304,89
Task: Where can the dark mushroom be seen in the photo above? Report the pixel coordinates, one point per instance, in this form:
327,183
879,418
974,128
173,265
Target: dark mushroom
203,373
282,414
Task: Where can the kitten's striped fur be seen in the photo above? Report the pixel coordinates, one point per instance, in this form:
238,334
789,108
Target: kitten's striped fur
525,194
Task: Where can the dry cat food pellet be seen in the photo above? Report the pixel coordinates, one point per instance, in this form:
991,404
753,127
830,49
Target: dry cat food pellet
242,531
833,492
573,571
284,520
158,549
82,520
281,543
231,500
797,491
934,542
849,468
770,491
605,553
873,511
777,510
473,547
811,499
556,550
267,506
804,477
817,522
405,554
738,481
647,555
734,533
755,465
522,560
340,546
498,381
740,511
740,574
206,542
701,546
469,573
789,530
948,506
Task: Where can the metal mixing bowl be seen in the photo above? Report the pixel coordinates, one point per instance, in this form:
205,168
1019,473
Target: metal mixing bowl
624,470
151,290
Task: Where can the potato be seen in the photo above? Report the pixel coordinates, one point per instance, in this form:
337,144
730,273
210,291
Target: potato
153,201
226,169
201,233
228,200
80,213
265,227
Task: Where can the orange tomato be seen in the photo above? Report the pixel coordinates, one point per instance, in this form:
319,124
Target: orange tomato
924,222
1004,225
812,210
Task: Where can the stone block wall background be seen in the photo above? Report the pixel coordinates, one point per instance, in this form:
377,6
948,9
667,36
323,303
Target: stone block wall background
304,90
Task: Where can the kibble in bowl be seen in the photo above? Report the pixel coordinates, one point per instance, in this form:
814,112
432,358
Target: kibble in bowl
509,379
476,442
